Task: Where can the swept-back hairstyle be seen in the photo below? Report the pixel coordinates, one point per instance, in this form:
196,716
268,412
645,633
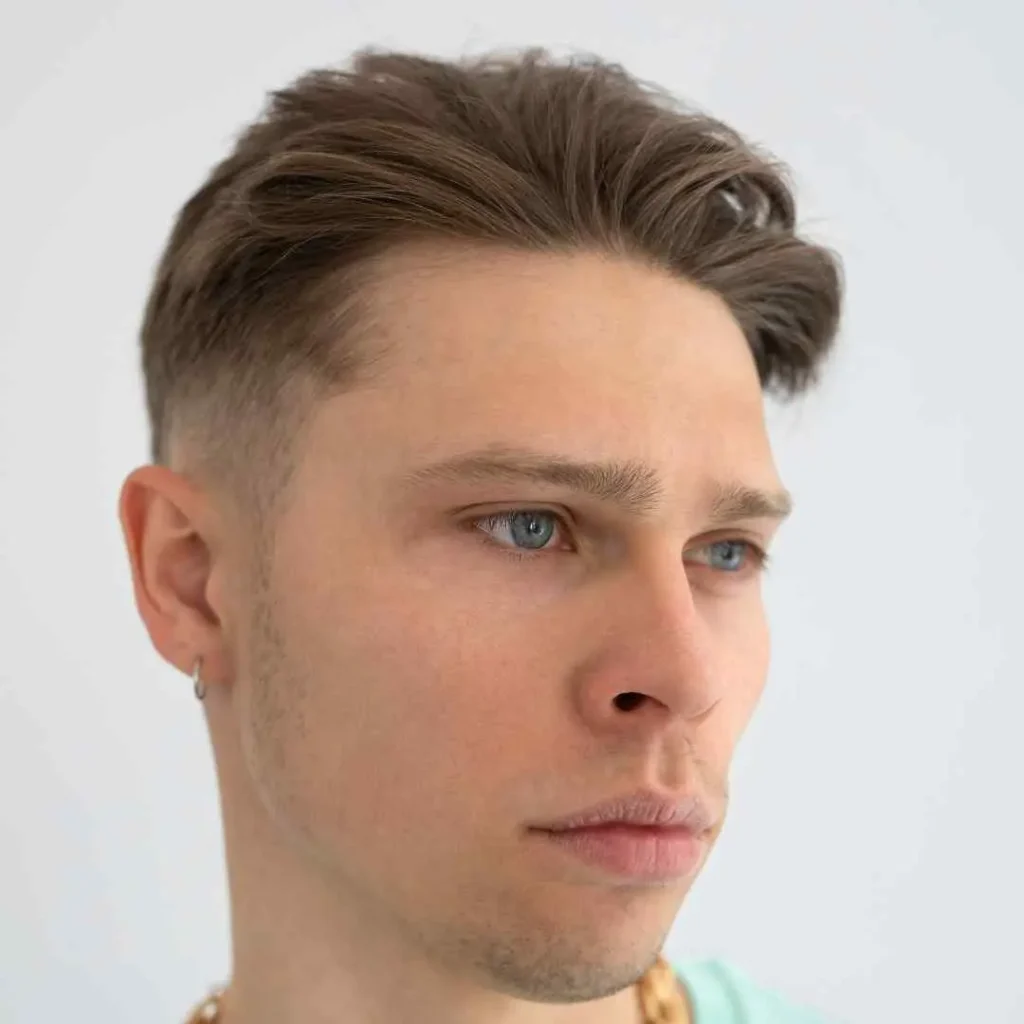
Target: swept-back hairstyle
256,312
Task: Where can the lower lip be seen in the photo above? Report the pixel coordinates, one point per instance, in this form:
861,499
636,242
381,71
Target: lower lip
634,851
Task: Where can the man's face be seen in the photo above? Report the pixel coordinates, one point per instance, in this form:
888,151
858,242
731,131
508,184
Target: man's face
420,679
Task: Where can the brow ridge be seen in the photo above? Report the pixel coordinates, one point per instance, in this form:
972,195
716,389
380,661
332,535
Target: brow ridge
631,485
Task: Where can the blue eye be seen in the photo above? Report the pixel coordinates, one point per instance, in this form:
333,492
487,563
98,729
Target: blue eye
521,533
528,529
732,556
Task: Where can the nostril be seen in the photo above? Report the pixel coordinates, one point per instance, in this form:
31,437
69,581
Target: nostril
628,701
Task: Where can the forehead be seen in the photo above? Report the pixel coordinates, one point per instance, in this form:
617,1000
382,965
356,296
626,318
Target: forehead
577,352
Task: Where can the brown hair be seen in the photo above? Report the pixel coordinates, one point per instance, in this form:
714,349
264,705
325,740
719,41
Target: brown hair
255,309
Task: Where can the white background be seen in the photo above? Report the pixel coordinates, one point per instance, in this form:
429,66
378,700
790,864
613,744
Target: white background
873,861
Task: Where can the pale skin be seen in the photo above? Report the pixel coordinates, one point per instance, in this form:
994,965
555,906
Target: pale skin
401,696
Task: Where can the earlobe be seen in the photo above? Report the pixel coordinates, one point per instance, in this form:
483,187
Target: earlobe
198,686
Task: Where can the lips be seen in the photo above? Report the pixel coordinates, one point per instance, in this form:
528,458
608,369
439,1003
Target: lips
644,836
643,807
637,853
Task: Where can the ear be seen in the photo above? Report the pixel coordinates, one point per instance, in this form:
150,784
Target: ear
170,531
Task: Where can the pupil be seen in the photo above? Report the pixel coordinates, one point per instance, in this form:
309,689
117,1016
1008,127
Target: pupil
532,529
732,552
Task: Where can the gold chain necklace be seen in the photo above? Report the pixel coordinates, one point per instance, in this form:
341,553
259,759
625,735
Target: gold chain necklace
661,1000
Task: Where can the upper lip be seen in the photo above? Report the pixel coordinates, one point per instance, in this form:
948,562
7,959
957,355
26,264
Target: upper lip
644,807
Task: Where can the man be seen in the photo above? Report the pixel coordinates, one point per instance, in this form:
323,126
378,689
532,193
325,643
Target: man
460,502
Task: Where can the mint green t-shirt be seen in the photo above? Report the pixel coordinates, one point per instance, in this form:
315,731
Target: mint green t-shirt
721,994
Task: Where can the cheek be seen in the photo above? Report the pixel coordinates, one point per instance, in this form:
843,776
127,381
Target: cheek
742,641
381,707
756,652
739,631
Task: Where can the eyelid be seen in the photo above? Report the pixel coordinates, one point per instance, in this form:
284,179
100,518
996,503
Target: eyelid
565,520
736,538
739,536
503,515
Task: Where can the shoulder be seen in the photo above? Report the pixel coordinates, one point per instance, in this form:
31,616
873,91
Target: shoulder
722,994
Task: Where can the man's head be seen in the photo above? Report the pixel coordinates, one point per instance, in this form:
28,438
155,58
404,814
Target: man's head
455,376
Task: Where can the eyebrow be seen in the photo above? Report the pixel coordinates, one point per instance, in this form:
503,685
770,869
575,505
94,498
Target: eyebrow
630,485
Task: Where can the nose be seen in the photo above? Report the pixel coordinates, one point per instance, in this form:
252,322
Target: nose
655,655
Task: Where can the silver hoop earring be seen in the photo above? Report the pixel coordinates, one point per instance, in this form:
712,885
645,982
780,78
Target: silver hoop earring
198,686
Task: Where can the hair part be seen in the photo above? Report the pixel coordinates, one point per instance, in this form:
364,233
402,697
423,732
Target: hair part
258,308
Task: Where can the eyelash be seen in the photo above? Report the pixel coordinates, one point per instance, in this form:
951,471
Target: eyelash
760,557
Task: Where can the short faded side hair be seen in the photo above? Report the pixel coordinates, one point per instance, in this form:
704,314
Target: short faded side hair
255,308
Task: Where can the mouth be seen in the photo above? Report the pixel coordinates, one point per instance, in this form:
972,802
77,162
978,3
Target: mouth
643,853
643,836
